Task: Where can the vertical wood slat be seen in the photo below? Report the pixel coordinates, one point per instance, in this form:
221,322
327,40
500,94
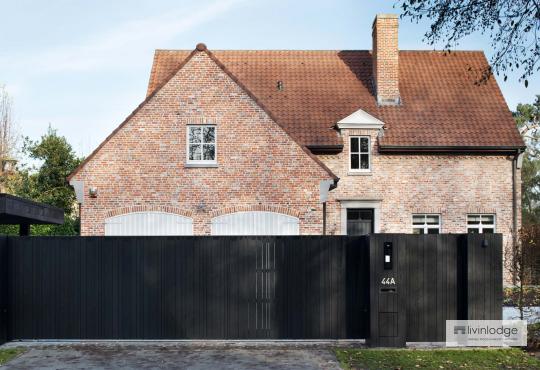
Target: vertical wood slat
196,288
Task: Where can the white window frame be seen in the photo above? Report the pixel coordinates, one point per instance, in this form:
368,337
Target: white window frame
359,137
482,226
202,161
426,226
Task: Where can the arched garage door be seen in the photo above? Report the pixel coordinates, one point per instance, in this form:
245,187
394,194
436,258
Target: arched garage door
255,223
148,223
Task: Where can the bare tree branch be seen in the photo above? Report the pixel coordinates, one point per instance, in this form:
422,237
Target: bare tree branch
513,26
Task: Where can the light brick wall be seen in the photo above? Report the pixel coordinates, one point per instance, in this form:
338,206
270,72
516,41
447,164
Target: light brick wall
450,185
385,58
260,167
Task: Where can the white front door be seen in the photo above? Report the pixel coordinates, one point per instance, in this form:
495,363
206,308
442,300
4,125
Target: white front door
255,223
148,223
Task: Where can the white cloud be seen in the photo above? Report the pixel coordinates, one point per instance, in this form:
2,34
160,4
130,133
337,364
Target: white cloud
125,42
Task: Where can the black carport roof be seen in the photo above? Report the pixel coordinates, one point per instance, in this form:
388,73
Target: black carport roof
15,210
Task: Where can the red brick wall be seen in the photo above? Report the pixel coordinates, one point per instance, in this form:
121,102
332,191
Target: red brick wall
142,167
385,58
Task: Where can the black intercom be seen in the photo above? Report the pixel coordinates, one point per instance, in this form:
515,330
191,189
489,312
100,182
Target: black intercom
388,258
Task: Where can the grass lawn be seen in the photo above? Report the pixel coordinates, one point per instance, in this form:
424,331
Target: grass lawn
8,353
436,359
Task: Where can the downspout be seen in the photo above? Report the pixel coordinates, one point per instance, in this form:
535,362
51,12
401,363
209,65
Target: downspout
517,162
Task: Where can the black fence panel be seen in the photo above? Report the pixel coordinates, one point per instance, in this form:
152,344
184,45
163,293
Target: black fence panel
188,287
3,289
433,285
483,288
291,287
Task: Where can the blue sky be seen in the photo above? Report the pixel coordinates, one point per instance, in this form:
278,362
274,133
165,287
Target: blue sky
83,66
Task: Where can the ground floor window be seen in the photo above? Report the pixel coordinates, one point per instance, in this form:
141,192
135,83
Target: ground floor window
426,224
480,224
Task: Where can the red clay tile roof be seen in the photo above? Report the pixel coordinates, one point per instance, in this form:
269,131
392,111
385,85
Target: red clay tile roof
441,104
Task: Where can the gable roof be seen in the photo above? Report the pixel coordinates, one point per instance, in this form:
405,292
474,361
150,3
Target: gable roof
442,106
202,48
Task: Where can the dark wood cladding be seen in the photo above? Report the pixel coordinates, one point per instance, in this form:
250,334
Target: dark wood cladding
291,287
187,287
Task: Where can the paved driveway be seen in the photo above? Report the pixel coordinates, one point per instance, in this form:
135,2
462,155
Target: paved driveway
173,356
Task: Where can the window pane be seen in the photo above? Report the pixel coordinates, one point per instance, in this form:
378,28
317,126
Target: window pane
473,231
488,231
417,231
354,145
209,152
473,219
432,220
418,219
194,134
364,161
364,145
209,134
195,152
488,219
355,161
433,231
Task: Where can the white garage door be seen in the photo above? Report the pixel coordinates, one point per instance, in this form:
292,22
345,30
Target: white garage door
255,223
148,223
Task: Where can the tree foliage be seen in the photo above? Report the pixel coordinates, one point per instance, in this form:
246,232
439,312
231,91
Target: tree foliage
47,182
527,118
513,27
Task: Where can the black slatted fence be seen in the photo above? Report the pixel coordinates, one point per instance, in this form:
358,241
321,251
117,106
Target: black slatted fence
306,287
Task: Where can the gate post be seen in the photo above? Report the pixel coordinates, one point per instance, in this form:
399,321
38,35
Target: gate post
388,308
3,288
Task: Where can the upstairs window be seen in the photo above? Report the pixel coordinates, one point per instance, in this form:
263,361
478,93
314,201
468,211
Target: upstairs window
480,224
201,145
426,224
360,154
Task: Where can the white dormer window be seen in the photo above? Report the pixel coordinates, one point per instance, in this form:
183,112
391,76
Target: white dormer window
201,145
360,154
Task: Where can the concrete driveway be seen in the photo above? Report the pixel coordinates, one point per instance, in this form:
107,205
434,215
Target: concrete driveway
173,355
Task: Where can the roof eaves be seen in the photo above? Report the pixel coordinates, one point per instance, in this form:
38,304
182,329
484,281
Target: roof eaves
449,149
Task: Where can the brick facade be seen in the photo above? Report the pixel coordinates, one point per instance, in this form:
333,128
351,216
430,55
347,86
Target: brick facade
142,165
386,59
449,185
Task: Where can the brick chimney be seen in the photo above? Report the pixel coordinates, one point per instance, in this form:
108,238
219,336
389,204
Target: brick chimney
385,59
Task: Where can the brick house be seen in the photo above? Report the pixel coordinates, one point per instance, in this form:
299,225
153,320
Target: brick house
244,142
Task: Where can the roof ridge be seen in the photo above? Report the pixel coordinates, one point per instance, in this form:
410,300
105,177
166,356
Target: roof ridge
325,50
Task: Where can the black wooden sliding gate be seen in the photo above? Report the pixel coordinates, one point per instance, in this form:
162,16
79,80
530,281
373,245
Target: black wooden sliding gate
308,287
188,287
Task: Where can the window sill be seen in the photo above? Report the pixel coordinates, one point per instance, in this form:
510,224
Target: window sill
360,173
201,165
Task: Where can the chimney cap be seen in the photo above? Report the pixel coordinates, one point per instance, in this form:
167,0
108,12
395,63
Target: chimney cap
387,15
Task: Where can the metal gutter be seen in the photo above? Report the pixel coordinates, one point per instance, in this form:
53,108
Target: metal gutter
449,149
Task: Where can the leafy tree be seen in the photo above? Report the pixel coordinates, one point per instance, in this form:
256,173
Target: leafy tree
47,183
527,118
513,26
530,191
